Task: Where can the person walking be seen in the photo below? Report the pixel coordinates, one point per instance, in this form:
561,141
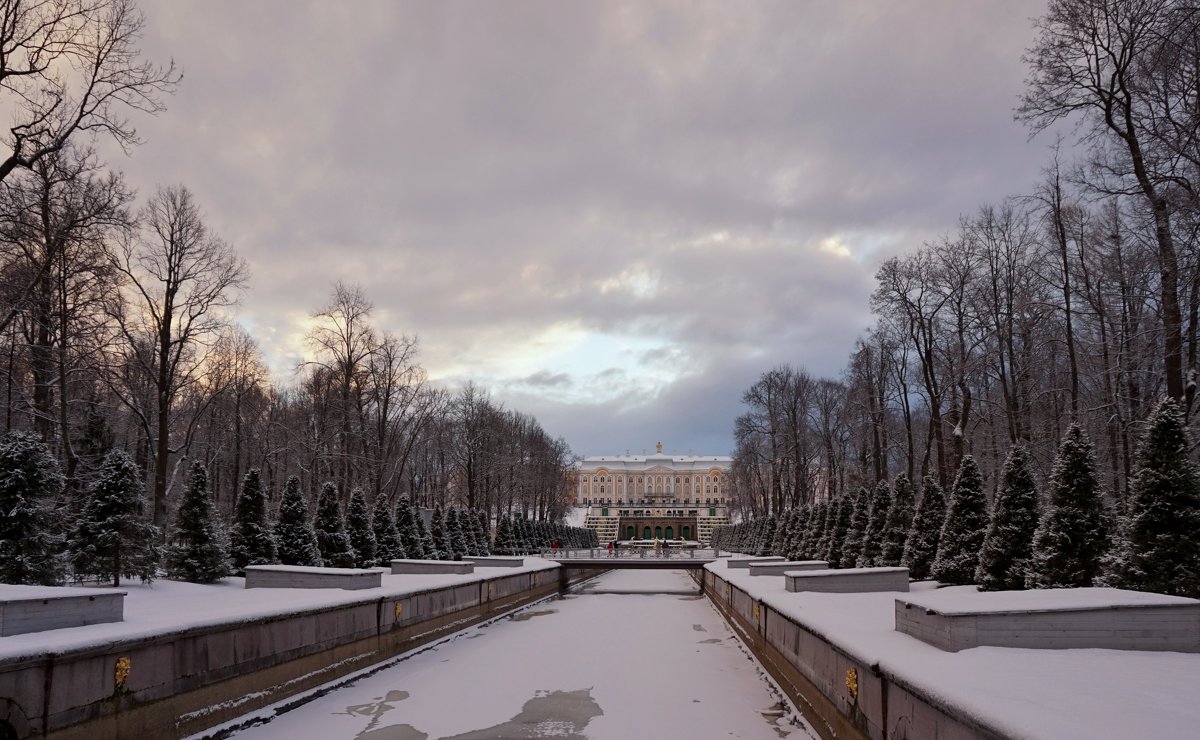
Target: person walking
610,548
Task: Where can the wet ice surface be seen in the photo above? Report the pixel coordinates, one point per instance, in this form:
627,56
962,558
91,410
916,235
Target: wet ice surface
594,665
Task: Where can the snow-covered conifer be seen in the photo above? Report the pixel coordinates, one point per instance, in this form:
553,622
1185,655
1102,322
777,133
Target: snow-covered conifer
766,536
860,517
921,547
455,536
965,527
779,541
796,534
294,536
30,481
843,510
430,552
1004,557
360,531
332,541
251,541
503,543
410,535
1072,536
196,549
1158,548
388,546
872,543
899,521
113,539
437,528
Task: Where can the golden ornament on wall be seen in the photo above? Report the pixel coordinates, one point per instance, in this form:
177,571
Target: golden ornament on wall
852,682
121,671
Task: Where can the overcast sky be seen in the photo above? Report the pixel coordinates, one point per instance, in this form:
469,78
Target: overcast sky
614,215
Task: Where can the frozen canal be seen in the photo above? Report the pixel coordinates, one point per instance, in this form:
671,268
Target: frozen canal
633,655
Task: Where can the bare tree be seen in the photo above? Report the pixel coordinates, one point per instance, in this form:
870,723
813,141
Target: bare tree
178,277
1087,61
71,66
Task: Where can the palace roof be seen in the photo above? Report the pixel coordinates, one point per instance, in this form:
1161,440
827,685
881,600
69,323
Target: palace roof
639,463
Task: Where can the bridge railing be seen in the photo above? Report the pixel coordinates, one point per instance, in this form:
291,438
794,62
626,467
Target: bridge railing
632,553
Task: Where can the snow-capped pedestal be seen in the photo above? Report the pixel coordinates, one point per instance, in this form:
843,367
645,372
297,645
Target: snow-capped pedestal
744,562
425,567
848,580
778,569
1051,618
303,576
493,561
39,608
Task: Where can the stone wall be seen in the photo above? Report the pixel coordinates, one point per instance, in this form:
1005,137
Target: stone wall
839,695
176,685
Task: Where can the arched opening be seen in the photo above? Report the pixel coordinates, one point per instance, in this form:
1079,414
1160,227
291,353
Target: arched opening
687,533
646,533
630,532
670,533
658,533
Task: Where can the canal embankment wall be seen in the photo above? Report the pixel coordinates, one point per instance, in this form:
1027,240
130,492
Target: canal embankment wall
838,692
184,682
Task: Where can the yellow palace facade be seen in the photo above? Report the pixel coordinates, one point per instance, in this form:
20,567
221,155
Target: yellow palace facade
655,496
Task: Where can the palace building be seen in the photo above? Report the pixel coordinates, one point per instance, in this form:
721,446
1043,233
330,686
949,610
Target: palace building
653,496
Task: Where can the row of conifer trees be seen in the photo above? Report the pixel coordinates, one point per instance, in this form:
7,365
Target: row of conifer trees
519,535
46,540
1066,536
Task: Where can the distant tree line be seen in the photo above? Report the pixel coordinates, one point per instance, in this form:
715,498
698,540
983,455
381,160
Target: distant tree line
1062,315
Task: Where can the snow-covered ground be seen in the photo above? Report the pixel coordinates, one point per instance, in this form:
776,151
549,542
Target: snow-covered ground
1051,694
164,607
598,665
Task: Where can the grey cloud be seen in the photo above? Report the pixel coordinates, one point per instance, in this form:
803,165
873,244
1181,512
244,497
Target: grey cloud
483,169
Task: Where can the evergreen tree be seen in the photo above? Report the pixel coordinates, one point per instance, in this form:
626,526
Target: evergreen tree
860,518
1072,536
437,528
1158,548
197,551
30,482
779,541
1004,557
826,534
796,537
503,544
296,540
430,552
766,536
872,543
898,522
816,530
113,539
388,545
455,537
332,541
920,549
843,511
252,542
481,533
410,535
360,531
965,527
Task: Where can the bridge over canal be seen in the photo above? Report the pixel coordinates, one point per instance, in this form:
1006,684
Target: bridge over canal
631,558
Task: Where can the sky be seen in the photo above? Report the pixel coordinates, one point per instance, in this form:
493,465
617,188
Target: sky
614,215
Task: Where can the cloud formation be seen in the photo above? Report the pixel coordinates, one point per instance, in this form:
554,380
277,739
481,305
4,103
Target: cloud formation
615,215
